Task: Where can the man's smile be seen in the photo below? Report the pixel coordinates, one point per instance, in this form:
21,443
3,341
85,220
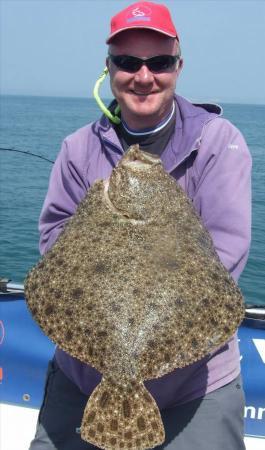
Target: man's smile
143,94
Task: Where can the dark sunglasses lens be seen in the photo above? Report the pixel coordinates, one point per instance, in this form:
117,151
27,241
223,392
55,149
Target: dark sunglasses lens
127,63
160,63
133,64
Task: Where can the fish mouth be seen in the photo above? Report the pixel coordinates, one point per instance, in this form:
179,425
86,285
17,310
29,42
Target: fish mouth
141,165
137,159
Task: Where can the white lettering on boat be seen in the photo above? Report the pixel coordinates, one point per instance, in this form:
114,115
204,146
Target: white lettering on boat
254,413
260,346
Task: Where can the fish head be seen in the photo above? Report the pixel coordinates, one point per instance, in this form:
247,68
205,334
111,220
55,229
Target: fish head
136,186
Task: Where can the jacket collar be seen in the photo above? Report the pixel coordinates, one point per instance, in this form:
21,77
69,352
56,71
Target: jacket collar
190,121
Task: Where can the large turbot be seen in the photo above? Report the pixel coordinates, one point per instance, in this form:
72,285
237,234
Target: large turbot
133,287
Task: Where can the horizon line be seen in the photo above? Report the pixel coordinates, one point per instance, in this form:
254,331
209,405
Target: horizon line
192,100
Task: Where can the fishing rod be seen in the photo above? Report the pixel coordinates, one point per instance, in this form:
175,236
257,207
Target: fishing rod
112,117
27,153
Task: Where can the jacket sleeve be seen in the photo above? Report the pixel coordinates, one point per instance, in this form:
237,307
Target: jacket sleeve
223,192
66,189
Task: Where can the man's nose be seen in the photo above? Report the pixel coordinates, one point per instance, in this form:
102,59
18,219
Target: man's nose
144,75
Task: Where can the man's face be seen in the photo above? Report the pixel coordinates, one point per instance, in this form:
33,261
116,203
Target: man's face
145,97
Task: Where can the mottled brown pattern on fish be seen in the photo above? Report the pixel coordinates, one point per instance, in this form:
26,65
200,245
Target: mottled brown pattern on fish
126,409
134,287
114,425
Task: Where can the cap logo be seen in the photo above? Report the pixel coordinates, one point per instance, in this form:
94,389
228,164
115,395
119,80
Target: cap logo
140,14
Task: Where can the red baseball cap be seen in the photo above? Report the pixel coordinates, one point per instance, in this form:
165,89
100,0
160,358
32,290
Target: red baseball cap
148,15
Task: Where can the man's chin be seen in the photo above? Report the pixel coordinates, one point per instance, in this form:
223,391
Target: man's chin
142,119
145,108
137,111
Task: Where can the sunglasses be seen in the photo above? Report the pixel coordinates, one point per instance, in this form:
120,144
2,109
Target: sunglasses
132,64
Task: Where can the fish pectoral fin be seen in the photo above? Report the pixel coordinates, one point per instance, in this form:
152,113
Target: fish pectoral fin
121,417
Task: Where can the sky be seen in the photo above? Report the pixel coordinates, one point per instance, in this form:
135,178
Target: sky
57,47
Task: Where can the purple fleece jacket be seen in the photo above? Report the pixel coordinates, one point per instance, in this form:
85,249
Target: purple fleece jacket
209,158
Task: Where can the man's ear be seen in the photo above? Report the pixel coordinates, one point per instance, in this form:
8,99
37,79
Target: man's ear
107,62
180,66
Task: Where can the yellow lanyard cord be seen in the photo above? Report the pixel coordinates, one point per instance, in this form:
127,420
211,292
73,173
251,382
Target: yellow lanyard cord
115,119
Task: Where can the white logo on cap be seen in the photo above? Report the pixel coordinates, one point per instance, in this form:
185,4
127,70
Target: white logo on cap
137,12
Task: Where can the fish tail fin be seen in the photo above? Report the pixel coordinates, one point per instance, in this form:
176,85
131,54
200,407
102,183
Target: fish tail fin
121,417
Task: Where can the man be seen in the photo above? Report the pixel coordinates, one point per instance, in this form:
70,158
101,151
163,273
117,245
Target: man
202,404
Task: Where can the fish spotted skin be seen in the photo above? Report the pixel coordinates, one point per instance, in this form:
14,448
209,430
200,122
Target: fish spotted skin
135,288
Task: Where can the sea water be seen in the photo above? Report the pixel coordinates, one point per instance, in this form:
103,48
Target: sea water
39,124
